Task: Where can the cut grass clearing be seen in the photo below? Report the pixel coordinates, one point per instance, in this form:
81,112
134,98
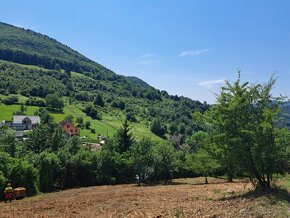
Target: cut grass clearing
182,198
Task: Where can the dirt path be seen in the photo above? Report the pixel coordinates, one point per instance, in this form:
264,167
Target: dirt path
183,199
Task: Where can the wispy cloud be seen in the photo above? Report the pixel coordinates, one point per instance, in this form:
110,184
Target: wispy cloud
212,83
148,61
146,56
193,53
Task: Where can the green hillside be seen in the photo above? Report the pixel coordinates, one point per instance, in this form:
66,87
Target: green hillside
35,66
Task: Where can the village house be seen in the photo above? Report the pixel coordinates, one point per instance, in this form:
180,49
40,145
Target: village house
69,128
22,122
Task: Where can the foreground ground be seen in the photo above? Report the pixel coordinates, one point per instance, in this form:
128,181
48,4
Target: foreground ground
183,198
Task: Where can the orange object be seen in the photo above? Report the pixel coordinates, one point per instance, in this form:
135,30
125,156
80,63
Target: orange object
20,192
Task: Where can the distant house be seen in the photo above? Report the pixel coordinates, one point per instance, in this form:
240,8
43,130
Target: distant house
69,128
21,123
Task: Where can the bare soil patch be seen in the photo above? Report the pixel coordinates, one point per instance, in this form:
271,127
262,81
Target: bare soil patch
182,198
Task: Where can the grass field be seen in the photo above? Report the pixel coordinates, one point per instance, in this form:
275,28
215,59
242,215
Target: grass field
107,126
6,111
182,198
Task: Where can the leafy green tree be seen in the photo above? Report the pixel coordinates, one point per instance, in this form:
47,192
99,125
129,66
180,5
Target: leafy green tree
124,137
172,128
45,137
99,100
202,162
197,140
44,115
244,129
24,174
7,140
92,111
54,102
164,161
80,121
88,124
49,170
142,158
157,128
282,141
69,118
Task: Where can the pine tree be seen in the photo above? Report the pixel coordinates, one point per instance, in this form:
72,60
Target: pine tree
99,101
124,137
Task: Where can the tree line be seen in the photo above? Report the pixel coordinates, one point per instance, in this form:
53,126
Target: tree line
241,139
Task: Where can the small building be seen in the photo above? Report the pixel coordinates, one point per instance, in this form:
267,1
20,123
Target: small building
69,128
22,122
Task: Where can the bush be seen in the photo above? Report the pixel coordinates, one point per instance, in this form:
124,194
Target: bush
54,102
92,111
118,104
10,100
35,102
23,174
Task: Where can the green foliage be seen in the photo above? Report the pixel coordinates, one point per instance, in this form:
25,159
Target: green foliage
54,102
142,159
157,128
10,100
45,137
80,121
23,174
32,81
49,171
244,130
99,100
35,102
92,111
124,137
202,162
88,125
7,140
164,162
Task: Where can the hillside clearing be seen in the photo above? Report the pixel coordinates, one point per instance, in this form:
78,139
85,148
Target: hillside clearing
184,198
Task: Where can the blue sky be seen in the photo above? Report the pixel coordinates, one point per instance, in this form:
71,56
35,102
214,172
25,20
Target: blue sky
185,47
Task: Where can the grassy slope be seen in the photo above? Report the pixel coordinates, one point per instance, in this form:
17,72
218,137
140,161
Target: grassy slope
6,111
111,119
107,126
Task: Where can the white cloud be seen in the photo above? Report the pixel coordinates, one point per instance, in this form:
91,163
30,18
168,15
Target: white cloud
193,53
148,58
144,56
212,83
149,61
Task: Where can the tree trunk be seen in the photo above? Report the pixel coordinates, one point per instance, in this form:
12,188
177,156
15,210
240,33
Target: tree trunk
230,173
206,182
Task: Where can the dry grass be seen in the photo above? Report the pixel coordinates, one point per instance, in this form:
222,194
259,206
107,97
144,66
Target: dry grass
183,198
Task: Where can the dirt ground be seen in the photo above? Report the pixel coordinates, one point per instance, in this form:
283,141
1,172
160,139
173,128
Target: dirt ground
183,198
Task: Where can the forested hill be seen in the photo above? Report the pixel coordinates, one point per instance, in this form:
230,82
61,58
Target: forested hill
61,70
28,47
